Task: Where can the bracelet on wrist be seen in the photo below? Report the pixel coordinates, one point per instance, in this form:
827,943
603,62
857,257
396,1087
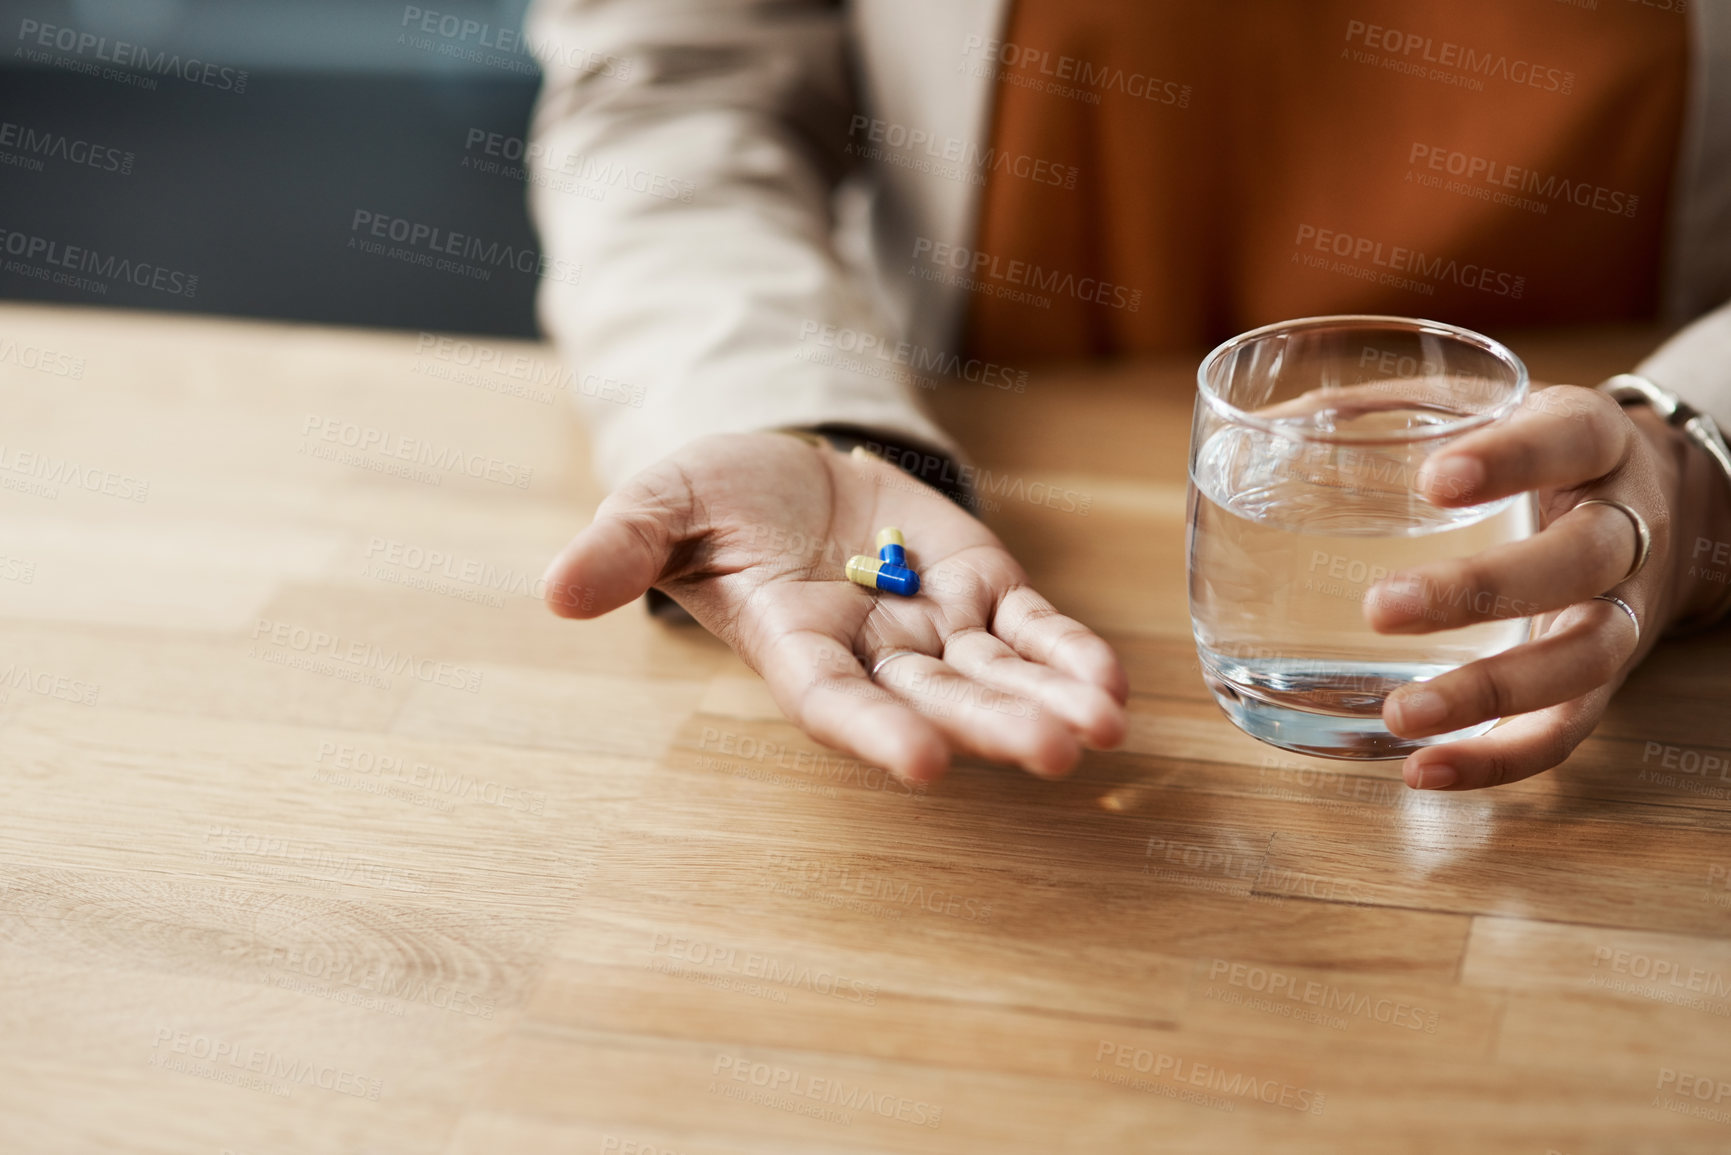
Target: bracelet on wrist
1699,428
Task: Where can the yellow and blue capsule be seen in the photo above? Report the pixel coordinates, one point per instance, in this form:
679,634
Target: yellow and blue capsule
891,546
881,575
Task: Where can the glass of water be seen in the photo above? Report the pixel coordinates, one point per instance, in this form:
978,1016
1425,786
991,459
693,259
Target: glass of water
1306,440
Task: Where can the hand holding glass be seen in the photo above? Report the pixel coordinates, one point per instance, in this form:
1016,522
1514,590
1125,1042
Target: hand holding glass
1306,441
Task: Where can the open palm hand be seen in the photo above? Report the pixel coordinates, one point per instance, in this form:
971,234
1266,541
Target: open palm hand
750,533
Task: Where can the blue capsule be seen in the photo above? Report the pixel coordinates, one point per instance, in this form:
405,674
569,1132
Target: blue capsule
880,575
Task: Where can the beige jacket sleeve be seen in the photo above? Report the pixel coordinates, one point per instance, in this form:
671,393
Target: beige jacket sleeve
685,154
1695,364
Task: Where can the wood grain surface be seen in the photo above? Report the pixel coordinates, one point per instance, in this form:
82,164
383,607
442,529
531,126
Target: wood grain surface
319,834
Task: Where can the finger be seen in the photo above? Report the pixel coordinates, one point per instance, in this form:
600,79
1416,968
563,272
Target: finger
824,690
623,551
980,719
1089,710
1039,633
1518,749
1584,649
1562,436
1583,553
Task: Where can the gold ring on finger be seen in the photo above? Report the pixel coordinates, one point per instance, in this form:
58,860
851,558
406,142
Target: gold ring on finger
1643,535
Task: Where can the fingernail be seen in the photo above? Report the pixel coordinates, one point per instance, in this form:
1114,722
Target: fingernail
1452,477
1436,776
1418,710
1401,595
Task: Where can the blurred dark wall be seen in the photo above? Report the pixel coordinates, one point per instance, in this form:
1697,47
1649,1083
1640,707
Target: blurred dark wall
256,193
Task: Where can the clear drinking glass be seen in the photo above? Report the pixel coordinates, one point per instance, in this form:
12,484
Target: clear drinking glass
1306,440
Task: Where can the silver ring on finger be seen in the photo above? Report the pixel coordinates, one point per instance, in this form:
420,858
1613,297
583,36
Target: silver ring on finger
1626,608
1643,535
886,660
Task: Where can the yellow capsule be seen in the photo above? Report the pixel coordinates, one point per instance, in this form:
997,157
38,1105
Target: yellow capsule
880,575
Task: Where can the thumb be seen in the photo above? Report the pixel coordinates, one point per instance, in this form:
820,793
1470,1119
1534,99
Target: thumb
621,554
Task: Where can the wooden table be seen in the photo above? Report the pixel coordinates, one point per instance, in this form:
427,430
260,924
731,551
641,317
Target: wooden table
319,834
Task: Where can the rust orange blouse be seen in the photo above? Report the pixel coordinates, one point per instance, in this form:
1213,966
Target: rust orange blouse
1209,167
